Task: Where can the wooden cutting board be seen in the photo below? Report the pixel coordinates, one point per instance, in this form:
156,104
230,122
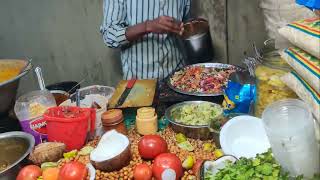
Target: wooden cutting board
141,95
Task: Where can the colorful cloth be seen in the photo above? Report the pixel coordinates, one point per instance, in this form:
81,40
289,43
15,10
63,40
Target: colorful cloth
304,91
305,34
305,64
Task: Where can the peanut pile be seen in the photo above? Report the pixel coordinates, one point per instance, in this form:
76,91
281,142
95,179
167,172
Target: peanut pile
126,173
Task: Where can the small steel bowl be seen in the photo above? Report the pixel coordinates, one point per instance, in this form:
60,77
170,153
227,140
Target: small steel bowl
12,170
201,132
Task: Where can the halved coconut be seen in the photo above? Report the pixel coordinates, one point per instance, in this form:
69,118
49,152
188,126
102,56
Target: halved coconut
112,152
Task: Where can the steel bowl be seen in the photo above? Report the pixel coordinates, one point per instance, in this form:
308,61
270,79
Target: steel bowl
8,90
13,169
202,132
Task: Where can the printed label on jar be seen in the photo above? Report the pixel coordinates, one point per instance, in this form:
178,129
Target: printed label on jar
36,127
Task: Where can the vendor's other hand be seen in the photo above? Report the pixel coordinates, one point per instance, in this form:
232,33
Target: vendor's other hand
163,24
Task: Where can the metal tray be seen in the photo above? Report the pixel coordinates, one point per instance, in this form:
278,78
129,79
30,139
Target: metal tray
215,65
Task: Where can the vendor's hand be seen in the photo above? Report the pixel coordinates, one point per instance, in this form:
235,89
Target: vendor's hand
163,24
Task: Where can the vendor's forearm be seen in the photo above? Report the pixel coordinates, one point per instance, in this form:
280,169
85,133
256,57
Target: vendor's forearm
135,32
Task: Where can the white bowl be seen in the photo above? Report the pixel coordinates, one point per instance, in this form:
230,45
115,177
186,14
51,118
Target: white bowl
244,136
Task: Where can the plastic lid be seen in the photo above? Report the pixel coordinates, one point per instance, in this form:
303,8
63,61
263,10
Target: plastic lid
287,117
33,104
112,116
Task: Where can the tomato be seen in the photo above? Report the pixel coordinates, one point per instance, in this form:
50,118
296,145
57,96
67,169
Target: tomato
142,172
30,172
152,145
73,171
196,167
167,161
50,174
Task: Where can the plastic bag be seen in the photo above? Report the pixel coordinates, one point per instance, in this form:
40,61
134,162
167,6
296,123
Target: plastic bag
238,98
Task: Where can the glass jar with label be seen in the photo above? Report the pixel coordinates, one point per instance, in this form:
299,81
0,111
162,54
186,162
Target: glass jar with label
270,88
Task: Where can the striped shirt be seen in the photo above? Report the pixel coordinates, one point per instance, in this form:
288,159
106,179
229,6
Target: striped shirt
153,55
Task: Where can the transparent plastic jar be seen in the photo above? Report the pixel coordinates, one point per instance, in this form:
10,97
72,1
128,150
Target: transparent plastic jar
269,86
290,129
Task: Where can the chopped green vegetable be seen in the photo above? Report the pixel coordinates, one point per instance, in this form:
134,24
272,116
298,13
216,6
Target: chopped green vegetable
86,150
196,114
262,167
186,145
70,154
48,165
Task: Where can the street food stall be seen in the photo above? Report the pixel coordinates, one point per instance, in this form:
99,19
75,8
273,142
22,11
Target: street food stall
209,121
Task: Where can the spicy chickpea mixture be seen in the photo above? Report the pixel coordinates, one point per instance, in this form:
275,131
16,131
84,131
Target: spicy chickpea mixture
126,173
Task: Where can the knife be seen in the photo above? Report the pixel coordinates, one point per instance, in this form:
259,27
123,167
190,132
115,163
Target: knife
126,92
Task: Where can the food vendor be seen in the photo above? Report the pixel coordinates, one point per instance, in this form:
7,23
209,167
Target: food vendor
313,5
147,34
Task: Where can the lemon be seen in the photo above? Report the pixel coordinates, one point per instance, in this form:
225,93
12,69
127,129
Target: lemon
85,150
218,153
208,147
186,145
180,138
188,162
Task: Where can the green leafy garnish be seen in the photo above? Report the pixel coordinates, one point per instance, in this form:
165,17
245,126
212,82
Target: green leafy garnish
262,167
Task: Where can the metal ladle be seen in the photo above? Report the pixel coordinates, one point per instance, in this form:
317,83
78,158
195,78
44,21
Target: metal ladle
42,85
38,72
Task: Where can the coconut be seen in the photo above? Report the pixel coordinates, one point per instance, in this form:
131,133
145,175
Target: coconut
112,152
47,152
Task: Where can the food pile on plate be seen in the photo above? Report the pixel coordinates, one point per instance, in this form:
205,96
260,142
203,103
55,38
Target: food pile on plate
201,79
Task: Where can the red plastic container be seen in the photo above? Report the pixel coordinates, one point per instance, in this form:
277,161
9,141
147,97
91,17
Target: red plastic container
69,125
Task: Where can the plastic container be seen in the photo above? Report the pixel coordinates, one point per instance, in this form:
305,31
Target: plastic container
146,121
88,95
290,129
89,101
69,125
29,109
113,119
269,87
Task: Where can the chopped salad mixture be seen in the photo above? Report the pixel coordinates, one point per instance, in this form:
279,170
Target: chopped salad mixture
201,79
196,114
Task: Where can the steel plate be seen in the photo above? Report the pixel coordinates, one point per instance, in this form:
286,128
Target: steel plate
215,65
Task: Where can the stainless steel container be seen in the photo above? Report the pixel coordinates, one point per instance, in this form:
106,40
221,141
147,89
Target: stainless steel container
13,169
8,90
203,132
197,41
